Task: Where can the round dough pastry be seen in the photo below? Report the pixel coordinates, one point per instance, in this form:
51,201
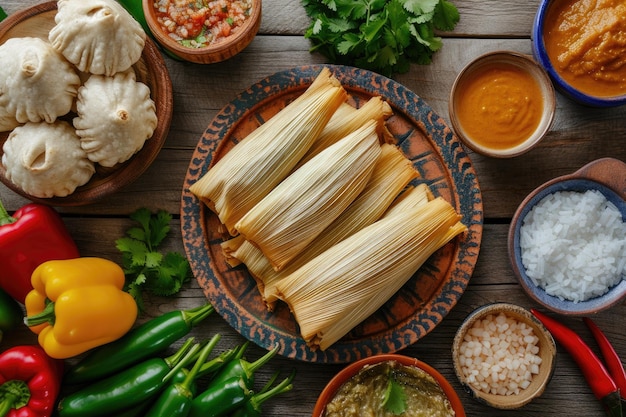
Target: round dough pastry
46,160
7,120
36,82
115,117
98,36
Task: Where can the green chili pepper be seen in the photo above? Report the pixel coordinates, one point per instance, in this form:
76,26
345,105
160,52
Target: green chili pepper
138,410
221,399
127,388
138,344
3,14
11,314
243,368
175,400
252,407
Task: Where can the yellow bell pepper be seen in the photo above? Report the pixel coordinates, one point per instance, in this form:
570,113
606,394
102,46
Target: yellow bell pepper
78,304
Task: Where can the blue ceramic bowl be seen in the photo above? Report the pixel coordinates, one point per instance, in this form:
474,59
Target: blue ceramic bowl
541,56
617,293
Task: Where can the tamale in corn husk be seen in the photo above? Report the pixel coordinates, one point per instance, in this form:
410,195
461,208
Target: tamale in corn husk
254,166
411,197
346,120
392,173
297,210
344,285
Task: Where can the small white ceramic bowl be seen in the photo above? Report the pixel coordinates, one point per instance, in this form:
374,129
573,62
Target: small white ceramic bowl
604,175
491,61
547,353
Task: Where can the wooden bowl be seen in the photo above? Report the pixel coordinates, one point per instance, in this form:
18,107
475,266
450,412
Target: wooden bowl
547,352
606,175
221,50
37,21
351,370
474,71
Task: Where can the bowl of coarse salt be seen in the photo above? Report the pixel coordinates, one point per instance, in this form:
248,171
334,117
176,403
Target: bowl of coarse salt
567,240
503,356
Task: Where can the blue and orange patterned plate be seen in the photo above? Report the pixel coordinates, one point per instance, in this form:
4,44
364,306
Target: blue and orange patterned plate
424,300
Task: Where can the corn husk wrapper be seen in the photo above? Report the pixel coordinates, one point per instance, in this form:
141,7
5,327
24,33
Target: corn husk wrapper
253,167
348,119
392,173
411,197
344,285
306,202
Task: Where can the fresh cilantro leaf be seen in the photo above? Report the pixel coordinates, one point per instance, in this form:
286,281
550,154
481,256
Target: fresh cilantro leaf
381,35
394,398
419,7
446,16
145,267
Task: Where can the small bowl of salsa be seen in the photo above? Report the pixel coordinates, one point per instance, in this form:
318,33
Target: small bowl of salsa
203,32
582,46
378,384
502,104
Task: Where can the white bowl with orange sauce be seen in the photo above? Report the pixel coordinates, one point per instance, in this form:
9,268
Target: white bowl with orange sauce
581,46
502,104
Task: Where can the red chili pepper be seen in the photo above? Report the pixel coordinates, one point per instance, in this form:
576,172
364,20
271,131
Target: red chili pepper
33,235
610,356
30,382
596,375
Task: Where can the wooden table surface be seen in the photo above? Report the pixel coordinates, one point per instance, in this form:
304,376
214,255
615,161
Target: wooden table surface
579,135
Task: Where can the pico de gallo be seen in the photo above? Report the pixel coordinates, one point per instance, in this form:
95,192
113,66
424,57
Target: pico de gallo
200,23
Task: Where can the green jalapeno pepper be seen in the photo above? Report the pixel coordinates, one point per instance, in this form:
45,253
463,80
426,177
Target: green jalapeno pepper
175,400
253,407
138,344
11,314
221,399
127,388
244,369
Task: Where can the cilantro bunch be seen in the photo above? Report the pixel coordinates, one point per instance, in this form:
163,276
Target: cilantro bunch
385,36
144,266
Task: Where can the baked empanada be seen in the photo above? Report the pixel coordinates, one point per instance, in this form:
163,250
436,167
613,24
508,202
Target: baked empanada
115,117
98,36
46,160
36,82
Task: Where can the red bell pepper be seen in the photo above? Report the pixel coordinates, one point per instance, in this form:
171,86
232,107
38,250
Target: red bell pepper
33,235
30,382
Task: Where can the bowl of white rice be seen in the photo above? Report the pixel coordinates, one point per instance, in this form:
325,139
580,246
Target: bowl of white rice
503,356
567,242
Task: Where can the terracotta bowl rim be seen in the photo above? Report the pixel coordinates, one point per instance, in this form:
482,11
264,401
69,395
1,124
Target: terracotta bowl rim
352,369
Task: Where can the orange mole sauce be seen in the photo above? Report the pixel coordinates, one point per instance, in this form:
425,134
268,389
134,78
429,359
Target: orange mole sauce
499,106
586,43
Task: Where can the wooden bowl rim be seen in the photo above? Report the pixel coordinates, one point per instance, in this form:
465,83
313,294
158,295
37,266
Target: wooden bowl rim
160,91
221,50
547,347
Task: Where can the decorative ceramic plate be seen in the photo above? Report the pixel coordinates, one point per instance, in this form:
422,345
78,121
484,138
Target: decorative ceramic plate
423,301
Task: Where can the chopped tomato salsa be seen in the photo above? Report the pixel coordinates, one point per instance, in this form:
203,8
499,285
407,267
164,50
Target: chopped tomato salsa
199,23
